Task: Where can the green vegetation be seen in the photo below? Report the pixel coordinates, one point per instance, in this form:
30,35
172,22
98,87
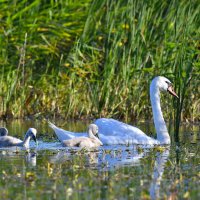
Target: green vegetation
86,58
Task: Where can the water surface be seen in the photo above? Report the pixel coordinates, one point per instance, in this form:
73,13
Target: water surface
50,171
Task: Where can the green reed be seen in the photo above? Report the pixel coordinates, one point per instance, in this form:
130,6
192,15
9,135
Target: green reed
97,58
139,42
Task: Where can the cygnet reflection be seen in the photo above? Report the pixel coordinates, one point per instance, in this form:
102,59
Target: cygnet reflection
90,157
31,158
104,158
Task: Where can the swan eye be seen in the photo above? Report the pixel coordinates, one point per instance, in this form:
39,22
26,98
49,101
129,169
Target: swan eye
168,83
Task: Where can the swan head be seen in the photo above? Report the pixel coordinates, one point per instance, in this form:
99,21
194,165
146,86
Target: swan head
94,129
3,131
32,133
164,84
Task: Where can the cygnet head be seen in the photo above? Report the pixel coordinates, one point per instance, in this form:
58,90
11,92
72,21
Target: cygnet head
3,131
94,128
32,133
163,84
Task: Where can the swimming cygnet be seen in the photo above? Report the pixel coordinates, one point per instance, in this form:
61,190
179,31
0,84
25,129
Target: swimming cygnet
91,142
8,141
3,131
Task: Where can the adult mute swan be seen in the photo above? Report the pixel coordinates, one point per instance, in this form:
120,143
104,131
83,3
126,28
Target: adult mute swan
115,132
8,141
90,142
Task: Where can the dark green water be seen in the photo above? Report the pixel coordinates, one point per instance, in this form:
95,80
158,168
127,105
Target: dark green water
50,171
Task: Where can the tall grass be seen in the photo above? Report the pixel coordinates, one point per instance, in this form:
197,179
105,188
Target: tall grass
30,73
139,40
97,58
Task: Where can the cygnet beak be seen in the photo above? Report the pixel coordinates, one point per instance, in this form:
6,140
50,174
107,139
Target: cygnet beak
97,135
34,138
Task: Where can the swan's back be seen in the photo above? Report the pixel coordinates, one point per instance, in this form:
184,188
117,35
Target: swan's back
114,127
9,141
63,134
112,131
81,142
6,141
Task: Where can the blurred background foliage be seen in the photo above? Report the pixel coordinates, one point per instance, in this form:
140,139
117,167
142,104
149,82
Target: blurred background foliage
85,59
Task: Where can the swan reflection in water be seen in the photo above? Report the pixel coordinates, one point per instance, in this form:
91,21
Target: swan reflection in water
107,159
159,166
12,153
31,158
104,158
90,158
134,160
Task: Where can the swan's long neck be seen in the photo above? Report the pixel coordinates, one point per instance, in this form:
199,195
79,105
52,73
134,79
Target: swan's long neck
91,135
159,122
26,140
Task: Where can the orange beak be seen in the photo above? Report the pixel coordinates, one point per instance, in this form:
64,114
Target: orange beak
171,91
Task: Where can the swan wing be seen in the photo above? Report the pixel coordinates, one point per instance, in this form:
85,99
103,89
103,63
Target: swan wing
63,134
115,132
6,141
75,142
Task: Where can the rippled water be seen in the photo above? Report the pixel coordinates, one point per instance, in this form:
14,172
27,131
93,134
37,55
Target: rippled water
49,171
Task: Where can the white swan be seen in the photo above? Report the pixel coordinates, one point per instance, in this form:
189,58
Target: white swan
90,142
9,141
115,132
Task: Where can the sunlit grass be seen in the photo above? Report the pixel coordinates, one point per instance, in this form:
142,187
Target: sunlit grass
85,59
